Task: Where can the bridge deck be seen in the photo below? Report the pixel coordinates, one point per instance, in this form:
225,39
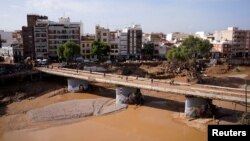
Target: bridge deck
205,91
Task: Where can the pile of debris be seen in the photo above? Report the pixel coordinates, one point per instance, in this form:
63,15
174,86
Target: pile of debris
245,119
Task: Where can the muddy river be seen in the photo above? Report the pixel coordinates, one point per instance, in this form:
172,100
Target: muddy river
136,123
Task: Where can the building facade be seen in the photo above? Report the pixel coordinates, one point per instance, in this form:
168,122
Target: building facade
102,34
240,40
131,42
28,35
177,36
17,46
49,35
221,49
86,44
114,43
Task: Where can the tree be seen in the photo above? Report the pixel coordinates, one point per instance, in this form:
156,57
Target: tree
197,46
68,50
191,48
60,50
100,49
184,56
180,53
148,49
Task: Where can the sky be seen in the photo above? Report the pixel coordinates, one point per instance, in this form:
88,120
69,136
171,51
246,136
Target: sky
153,15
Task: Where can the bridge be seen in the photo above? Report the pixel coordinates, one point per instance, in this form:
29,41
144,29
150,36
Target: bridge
195,93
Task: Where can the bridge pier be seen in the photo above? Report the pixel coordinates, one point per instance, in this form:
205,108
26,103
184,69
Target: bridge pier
122,94
75,85
196,107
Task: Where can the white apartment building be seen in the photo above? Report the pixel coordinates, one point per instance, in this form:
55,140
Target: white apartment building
131,41
177,36
6,50
201,34
48,35
6,37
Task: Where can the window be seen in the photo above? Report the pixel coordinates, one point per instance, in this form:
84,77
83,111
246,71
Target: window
83,45
104,34
104,40
87,45
87,51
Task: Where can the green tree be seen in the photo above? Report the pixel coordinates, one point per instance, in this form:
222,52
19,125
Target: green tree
71,50
184,56
197,46
60,49
148,50
68,50
100,49
191,48
180,53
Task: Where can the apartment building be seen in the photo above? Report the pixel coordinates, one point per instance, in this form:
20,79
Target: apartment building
102,34
28,35
49,35
240,40
221,49
131,42
86,44
6,38
17,45
6,50
114,43
177,36
157,37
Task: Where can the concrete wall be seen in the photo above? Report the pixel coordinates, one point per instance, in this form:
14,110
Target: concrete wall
75,85
194,106
122,94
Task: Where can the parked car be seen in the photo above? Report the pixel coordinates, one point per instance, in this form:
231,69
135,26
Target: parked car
44,62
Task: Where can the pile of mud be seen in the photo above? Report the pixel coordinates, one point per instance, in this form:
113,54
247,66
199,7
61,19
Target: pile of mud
75,109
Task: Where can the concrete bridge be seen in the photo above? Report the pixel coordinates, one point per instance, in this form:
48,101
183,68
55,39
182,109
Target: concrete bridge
196,95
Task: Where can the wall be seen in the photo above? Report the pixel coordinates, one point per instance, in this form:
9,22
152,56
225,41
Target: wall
75,85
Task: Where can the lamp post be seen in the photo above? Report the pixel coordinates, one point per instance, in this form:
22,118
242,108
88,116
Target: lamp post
246,94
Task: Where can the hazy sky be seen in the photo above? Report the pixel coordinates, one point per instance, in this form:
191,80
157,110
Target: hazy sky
153,15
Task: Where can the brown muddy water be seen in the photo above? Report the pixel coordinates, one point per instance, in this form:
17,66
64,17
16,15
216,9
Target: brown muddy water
136,123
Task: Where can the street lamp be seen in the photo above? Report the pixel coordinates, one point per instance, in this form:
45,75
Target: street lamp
246,94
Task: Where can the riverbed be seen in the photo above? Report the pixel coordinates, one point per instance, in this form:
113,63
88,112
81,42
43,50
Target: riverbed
137,123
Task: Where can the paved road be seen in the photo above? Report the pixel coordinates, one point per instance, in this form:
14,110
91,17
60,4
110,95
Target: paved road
205,91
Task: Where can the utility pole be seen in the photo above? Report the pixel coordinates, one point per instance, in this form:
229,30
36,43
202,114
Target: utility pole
246,94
